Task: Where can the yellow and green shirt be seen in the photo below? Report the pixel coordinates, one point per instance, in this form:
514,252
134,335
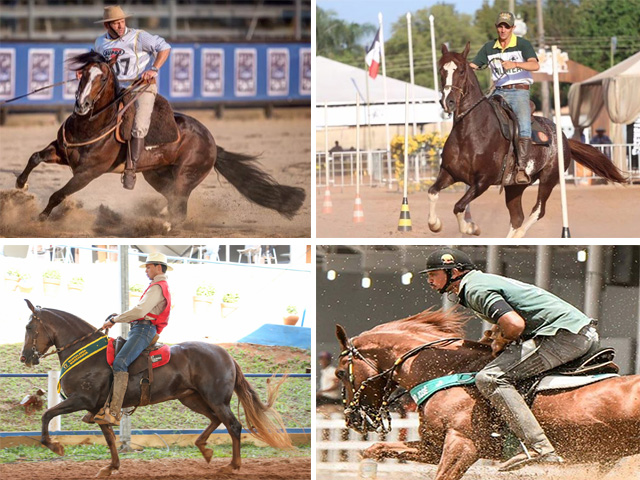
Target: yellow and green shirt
518,50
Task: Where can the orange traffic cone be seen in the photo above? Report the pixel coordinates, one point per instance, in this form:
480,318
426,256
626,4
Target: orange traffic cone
327,206
358,213
404,224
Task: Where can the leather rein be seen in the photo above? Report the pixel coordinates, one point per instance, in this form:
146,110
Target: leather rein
34,348
379,420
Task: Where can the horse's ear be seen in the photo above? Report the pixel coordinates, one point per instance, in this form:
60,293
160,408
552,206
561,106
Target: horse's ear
30,305
341,333
465,52
112,61
444,49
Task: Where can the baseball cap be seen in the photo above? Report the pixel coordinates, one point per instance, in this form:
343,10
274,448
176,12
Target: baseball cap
505,17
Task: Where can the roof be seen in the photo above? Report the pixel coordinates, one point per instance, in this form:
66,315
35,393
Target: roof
336,83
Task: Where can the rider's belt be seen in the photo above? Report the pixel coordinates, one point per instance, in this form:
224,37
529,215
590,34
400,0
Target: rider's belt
517,86
142,322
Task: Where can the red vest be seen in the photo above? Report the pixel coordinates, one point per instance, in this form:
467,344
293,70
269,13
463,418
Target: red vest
161,320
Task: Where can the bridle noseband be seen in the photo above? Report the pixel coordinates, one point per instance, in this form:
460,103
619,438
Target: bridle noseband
372,419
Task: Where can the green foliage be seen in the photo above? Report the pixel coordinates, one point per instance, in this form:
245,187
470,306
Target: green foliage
292,310
342,41
52,274
206,290
231,298
17,274
136,288
81,453
294,401
77,282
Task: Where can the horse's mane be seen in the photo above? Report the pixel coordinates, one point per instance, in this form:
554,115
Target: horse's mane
83,59
429,323
69,317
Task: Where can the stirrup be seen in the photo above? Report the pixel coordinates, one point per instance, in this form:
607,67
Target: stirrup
129,179
528,458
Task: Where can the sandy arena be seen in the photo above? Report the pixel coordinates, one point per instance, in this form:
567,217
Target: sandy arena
598,211
168,469
105,209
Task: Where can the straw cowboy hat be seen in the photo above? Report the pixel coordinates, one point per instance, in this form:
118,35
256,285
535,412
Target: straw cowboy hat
112,13
160,258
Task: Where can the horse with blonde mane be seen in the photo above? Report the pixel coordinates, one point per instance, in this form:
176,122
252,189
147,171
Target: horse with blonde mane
598,422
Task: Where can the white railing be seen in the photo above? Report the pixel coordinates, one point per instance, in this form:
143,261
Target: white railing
335,443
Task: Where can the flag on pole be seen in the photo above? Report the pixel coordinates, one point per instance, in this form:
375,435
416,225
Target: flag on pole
372,58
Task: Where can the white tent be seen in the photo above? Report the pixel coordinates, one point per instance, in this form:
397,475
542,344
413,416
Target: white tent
616,90
337,86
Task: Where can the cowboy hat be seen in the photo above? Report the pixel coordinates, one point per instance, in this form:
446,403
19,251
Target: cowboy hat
160,258
112,13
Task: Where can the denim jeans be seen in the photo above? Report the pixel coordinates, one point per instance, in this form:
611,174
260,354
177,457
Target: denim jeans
140,337
518,100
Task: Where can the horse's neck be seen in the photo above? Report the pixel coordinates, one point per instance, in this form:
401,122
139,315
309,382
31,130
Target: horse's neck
65,330
473,94
461,357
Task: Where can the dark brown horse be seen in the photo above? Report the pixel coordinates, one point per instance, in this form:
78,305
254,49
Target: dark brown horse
475,151
594,423
173,169
202,376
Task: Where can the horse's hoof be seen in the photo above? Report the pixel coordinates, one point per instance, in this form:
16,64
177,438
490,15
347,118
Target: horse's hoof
42,217
435,227
24,188
167,226
475,230
207,454
56,448
227,469
104,472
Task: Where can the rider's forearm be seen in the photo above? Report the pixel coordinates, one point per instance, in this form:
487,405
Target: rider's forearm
161,58
529,66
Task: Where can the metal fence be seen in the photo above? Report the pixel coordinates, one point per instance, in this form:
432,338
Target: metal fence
377,169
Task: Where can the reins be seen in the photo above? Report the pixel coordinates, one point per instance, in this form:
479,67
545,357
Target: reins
57,350
379,420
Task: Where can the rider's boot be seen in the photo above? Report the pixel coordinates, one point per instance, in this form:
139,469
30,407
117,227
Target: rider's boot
524,425
111,414
136,145
524,145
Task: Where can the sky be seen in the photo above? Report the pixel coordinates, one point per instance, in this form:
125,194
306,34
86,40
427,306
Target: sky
366,11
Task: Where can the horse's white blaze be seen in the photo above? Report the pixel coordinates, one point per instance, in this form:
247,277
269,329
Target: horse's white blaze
93,73
449,67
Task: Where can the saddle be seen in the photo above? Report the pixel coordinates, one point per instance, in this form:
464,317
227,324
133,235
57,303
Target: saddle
162,129
154,356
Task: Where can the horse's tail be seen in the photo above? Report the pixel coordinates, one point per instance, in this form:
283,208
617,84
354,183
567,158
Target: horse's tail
257,185
596,161
263,421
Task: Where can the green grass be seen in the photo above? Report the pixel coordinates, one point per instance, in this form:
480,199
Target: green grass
99,452
294,402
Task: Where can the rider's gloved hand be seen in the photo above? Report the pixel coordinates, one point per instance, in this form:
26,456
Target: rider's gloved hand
109,321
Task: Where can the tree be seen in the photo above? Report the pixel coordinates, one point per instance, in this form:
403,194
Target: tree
340,40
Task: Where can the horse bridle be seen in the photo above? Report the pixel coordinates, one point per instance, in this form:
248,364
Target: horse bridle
379,420
34,348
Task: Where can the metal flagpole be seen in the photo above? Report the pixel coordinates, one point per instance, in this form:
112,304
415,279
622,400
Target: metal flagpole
435,65
358,213
556,105
404,224
327,205
123,257
386,117
413,95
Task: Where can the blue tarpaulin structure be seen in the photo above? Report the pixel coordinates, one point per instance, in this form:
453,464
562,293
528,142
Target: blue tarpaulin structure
282,335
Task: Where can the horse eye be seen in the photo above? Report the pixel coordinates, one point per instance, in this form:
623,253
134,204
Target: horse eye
340,373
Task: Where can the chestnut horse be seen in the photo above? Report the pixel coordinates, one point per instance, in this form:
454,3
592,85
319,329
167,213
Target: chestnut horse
475,151
173,169
202,376
594,423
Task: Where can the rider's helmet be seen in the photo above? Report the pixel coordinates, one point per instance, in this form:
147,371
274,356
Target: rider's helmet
447,259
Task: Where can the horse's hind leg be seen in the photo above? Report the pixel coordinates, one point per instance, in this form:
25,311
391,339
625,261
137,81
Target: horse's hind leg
48,155
513,199
443,181
224,413
196,403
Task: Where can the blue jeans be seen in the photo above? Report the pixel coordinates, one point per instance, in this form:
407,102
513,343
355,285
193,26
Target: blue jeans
518,100
140,337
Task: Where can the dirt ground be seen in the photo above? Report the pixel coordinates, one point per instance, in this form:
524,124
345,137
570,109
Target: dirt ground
597,211
169,469
105,209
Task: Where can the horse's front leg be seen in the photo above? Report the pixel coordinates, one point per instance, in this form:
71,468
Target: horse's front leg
465,226
79,180
416,451
110,437
443,181
51,154
71,404
458,454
